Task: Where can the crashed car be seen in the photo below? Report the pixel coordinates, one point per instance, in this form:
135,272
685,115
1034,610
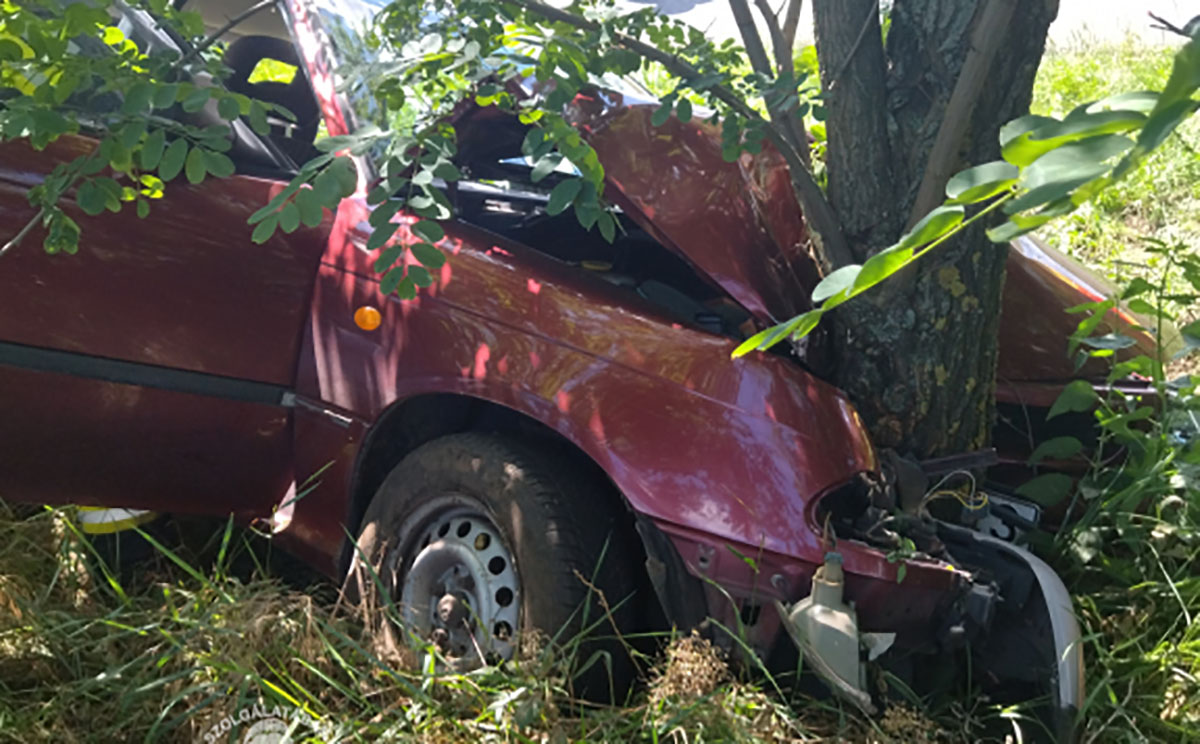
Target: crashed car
554,415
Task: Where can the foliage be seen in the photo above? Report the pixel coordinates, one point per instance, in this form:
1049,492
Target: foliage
1050,167
67,69
1131,551
530,59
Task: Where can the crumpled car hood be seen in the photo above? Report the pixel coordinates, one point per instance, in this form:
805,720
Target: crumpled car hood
736,223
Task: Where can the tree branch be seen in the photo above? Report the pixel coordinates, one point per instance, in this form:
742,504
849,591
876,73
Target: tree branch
212,38
783,52
832,251
791,21
791,122
750,38
1165,25
986,38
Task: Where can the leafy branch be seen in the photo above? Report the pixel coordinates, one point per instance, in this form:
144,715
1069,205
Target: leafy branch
1049,168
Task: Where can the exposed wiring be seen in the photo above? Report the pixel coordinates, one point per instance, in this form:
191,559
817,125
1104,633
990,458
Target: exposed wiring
974,500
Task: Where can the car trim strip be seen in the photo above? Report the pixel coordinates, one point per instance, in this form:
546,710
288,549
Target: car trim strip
142,375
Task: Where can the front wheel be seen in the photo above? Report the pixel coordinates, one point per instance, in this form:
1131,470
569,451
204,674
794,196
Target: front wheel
479,539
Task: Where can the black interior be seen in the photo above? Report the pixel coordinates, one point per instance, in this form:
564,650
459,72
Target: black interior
295,139
497,194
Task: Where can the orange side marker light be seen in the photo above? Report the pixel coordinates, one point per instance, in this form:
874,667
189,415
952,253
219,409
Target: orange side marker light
367,318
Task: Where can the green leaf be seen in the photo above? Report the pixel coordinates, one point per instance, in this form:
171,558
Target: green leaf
587,215
1059,172
381,235
196,167
797,327
545,166
839,281
258,119
143,209
387,258
112,193
1058,448
1047,489
420,276
1142,101
562,195
1050,134
1138,286
607,225
981,182
1111,341
90,198
138,98
1016,226
132,133
429,231
1077,397
535,138
335,143
152,149
165,96
428,255
881,266
346,174
265,229
661,114
406,290
218,164
391,280
683,110
384,213
228,108
326,188
289,217
447,171
172,160
932,226
196,99
311,211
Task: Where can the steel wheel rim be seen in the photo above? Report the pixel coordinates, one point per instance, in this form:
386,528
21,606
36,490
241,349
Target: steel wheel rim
460,590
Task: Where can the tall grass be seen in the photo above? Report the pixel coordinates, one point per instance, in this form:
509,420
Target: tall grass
207,633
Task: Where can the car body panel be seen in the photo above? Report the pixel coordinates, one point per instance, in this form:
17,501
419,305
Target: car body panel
598,364
184,288
157,355
639,394
1041,284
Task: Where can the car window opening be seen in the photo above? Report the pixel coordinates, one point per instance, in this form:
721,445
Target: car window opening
497,193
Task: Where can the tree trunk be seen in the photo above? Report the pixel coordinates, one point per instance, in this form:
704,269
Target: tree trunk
919,357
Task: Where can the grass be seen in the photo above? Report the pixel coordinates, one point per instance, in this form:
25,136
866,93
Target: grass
170,655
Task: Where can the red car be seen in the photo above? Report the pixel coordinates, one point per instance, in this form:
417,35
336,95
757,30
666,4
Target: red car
550,405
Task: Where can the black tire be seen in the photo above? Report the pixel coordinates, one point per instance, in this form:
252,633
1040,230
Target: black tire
560,527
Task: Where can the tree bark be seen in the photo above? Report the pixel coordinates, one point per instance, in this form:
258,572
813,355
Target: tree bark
858,157
919,358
